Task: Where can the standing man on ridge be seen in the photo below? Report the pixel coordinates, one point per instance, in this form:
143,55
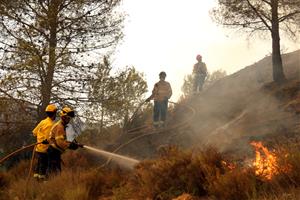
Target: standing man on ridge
42,134
161,93
199,74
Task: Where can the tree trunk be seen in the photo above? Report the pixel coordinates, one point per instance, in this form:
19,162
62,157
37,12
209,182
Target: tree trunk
47,85
102,112
278,74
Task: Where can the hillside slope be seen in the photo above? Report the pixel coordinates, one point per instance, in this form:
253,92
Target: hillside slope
247,105
237,109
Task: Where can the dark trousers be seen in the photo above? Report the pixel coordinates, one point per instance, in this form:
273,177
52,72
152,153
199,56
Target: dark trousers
160,111
42,163
54,162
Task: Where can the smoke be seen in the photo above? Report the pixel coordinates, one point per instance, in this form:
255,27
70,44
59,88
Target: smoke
244,106
237,109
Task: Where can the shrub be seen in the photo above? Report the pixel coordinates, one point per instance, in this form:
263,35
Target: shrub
235,185
173,173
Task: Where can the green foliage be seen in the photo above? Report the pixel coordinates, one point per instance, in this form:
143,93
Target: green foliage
115,97
255,15
47,47
130,88
187,87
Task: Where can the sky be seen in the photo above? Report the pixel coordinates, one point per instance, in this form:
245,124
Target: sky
166,35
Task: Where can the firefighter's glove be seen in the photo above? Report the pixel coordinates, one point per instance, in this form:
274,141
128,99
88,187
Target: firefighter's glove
148,99
73,146
80,145
45,141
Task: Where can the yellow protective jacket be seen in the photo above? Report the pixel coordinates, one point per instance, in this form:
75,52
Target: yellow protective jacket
58,138
161,90
42,132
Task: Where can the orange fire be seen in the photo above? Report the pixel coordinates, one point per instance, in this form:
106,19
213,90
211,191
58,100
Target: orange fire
230,166
265,161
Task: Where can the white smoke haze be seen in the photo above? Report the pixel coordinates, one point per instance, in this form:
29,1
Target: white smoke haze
238,108
228,115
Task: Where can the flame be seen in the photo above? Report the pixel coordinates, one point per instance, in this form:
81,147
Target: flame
230,166
265,161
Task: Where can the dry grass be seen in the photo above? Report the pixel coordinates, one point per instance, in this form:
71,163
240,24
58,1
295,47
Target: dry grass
203,173
175,172
70,185
235,185
4,183
80,180
199,173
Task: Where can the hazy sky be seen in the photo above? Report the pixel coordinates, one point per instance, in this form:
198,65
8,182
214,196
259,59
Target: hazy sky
166,35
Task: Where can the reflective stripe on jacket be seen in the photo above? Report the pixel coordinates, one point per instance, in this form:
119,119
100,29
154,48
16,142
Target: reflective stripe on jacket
42,132
161,90
58,137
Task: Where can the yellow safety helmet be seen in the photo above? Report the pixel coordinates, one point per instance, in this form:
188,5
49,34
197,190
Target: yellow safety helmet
51,108
67,111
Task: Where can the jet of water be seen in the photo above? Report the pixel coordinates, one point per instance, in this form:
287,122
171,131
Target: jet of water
122,160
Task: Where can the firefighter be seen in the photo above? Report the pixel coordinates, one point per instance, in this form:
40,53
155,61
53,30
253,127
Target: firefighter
42,132
58,141
199,74
161,93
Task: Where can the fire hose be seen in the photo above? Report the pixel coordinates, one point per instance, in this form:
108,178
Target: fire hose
31,161
17,151
24,148
117,149
181,124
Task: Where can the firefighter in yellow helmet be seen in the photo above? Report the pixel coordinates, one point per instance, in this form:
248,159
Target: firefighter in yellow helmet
161,93
42,133
58,140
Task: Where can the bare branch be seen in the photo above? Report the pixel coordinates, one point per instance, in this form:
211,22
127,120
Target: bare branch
285,17
259,15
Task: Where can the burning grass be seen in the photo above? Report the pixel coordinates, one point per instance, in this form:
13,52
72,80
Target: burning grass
209,173
195,173
265,163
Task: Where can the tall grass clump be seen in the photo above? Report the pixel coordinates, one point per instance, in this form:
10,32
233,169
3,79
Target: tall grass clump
81,179
69,185
175,172
4,183
235,184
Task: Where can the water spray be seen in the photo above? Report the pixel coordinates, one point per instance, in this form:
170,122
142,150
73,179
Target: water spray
120,159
